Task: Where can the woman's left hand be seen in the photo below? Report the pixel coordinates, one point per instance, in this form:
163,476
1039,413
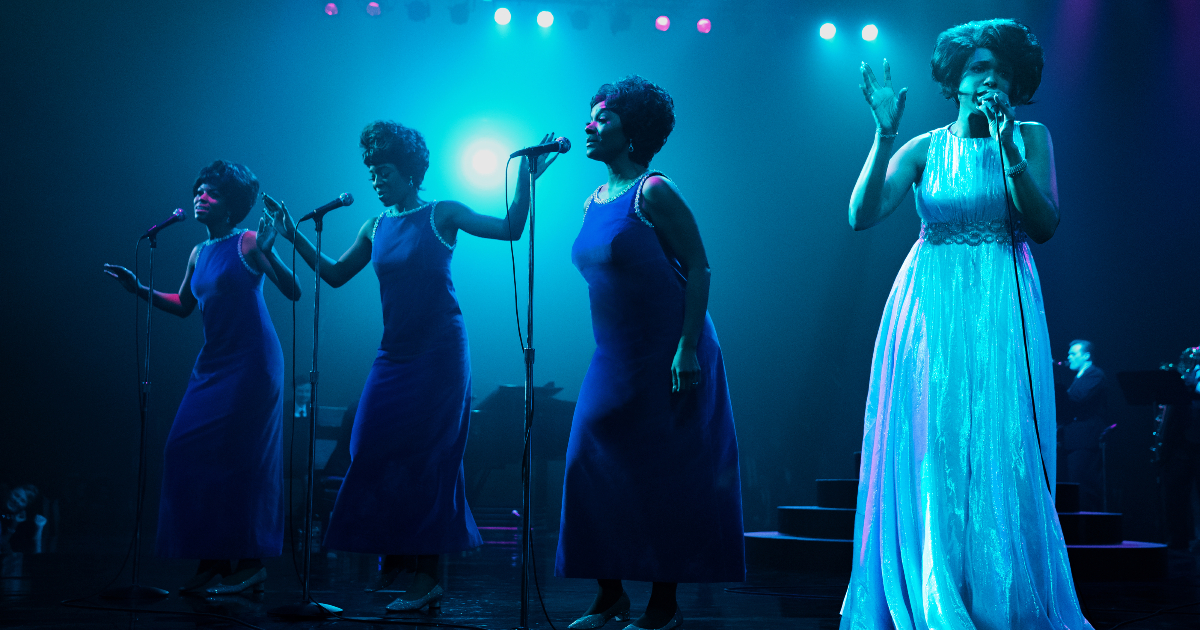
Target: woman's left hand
544,160
1000,116
265,238
685,371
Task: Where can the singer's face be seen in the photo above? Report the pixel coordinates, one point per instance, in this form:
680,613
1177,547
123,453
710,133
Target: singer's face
389,185
605,137
1076,357
208,206
983,74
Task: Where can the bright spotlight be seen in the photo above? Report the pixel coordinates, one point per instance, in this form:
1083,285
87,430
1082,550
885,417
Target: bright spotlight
870,32
545,19
484,162
503,16
373,9
662,23
704,25
331,9
828,30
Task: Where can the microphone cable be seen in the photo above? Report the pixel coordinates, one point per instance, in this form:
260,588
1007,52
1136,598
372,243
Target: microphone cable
1012,232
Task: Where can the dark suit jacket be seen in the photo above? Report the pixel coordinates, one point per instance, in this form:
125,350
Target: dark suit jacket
1082,411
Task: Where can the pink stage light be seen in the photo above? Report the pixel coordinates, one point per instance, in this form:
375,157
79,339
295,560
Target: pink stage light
331,9
704,25
373,9
662,23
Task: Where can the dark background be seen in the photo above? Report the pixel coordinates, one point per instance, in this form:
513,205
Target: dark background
110,109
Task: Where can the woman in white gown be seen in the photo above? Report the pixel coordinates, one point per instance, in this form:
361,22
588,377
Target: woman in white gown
956,526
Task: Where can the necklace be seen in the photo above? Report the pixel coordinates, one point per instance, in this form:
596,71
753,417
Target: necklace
392,212
618,193
221,238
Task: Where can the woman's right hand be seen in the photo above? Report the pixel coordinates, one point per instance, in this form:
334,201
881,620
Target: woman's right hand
280,219
886,105
124,276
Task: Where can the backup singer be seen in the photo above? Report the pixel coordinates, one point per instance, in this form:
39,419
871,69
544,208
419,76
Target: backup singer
956,526
222,492
404,493
652,489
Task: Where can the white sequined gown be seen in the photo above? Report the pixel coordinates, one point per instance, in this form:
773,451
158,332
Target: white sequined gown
956,526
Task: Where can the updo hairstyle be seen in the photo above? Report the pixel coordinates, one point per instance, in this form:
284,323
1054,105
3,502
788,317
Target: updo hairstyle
236,185
387,142
647,114
1009,40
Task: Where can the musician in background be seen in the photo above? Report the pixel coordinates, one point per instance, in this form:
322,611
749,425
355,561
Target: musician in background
1082,403
1181,455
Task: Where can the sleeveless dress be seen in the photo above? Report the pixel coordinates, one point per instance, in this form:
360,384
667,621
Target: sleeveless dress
652,490
222,492
405,492
956,527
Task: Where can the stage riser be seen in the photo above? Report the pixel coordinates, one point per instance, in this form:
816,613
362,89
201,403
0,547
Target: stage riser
1129,561
837,493
810,555
1091,528
808,521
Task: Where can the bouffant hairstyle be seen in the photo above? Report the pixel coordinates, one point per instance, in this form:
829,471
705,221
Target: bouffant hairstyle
647,114
387,142
235,183
1009,40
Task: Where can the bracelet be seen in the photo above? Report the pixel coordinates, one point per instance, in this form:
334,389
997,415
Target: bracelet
885,136
1017,169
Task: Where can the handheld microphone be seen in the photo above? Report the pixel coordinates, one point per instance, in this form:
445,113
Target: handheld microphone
344,200
176,217
558,145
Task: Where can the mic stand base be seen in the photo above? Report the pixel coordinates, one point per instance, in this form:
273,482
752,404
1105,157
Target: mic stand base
134,592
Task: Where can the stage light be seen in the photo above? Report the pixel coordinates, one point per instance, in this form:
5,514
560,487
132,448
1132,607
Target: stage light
418,10
331,9
373,9
545,19
503,16
870,32
828,30
459,13
704,25
484,162
621,21
580,19
481,161
662,23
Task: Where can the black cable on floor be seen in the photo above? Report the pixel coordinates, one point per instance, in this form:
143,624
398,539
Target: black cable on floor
1154,614
72,603
536,586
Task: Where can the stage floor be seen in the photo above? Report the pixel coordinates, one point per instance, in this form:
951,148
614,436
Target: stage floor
483,590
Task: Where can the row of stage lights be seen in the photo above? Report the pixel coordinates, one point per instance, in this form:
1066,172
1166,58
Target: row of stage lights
418,10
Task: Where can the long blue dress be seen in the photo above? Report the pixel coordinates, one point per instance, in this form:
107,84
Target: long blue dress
222,493
405,492
956,527
652,491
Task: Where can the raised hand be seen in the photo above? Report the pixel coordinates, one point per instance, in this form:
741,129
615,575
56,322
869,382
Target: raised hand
124,276
265,238
546,159
1000,116
886,105
281,221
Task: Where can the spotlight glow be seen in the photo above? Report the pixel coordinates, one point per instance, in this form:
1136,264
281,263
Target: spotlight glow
331,9
503,16
870,32
484,162
662,23
373,9
828,30
545,19
704,25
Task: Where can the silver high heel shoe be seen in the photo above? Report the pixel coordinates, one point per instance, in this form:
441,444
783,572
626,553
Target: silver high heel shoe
433,599
253,582
675,622
618,611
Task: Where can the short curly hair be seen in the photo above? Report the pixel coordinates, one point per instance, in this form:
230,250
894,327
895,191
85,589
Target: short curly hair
387,142
1011,41
647,114
235,183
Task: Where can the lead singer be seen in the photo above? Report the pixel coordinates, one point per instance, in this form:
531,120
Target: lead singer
404,493
956,527
652,490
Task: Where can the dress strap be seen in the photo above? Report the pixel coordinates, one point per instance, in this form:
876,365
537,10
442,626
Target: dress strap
433,225
637,199
242,256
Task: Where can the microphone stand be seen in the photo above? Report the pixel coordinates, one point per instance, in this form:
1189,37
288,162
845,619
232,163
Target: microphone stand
527,456
308,609
135,591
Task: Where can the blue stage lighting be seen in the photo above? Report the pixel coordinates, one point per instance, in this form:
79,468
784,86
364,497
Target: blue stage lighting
828,30
869,32
545,19
503,16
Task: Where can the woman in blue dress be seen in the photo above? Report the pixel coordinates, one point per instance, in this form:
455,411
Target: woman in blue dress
652,490
404,493
956,527
222,494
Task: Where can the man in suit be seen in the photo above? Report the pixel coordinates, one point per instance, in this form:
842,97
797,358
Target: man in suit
1082,404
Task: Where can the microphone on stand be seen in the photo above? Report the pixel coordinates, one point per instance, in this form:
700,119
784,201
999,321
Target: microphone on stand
344,200
558,145
176,217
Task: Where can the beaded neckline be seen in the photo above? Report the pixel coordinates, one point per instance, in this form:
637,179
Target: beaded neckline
596,195
230,235
394,213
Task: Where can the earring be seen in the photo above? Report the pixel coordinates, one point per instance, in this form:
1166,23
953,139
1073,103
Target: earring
630,146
